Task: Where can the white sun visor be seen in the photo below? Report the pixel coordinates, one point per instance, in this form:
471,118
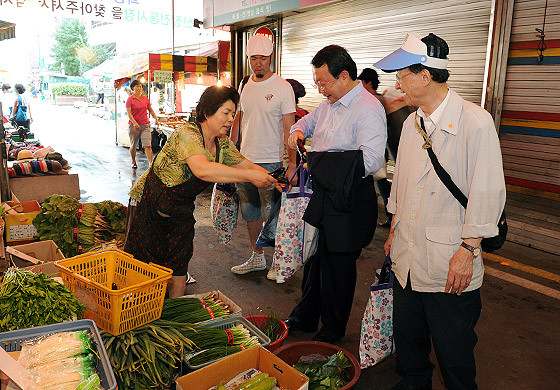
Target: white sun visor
413,51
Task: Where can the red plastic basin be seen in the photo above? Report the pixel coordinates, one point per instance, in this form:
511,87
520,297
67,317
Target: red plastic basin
260,320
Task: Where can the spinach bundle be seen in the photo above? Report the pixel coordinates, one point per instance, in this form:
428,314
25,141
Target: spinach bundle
29,299
327,374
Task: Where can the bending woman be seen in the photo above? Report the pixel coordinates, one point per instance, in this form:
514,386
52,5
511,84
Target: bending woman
161,228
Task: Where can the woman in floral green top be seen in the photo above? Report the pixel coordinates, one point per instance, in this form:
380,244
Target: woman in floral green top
161,228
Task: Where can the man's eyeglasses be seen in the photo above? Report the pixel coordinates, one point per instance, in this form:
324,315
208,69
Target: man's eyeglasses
321,87
399,77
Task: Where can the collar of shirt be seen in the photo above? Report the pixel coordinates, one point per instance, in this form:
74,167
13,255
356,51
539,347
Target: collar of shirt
350,95
432,120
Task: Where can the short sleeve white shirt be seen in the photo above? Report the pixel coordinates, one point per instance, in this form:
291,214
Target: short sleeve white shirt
263,104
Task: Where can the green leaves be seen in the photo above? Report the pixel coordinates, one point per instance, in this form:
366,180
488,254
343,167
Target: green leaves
30,299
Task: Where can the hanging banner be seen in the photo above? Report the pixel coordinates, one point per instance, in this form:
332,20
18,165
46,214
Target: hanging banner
224,12
114,11
163,76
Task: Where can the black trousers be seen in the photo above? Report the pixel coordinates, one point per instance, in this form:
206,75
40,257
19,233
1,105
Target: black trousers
329,282
450,320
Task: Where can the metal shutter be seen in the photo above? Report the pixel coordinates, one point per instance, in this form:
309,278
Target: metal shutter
530,121
370,30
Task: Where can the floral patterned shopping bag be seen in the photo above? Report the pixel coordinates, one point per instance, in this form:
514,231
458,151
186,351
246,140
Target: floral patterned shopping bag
294,236
224,208
376,337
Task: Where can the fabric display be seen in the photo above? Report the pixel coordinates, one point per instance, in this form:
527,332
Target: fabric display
224,209
376,336
295,240
30,167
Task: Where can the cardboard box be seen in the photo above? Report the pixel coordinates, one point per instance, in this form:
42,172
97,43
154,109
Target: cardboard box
35,253
231,366
40,187
19,227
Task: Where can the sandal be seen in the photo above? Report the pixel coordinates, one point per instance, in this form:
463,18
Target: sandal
134,166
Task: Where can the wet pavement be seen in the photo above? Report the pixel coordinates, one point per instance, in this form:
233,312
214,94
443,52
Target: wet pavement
519,342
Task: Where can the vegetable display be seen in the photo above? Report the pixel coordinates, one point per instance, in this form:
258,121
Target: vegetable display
29,299
149,357
193,310
62,361
77,227
326,374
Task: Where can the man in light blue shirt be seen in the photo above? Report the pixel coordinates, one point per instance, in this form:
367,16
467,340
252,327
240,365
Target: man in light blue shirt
350,120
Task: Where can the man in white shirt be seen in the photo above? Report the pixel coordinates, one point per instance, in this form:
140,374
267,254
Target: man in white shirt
266,113
434,242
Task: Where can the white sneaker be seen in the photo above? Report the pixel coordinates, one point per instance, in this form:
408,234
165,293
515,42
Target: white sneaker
256,262
271,275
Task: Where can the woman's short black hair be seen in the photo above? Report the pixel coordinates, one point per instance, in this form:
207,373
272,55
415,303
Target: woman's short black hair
337,59
19,88
437,48
135,83
212,99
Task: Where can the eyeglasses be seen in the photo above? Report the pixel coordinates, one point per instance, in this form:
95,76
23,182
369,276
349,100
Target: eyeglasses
321,87
399,77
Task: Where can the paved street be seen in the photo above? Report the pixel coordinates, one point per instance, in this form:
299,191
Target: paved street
519,342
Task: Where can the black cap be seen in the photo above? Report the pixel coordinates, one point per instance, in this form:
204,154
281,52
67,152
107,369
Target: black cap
6,86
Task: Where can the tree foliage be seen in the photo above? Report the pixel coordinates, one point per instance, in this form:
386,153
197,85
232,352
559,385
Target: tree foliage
72,52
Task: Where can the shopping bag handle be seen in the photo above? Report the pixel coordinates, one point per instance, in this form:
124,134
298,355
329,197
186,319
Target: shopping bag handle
302,178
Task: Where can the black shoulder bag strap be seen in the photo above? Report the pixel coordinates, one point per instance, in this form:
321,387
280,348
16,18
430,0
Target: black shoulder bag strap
443,175
489,244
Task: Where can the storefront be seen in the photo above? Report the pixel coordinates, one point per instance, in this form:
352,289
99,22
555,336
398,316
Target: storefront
369,30
182,80
526,109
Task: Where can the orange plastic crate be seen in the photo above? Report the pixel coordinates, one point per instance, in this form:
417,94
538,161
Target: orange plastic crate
138,298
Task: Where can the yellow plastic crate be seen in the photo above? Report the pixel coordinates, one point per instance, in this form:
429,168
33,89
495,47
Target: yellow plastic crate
137,299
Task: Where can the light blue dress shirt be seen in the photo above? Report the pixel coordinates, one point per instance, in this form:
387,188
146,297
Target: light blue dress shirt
355,121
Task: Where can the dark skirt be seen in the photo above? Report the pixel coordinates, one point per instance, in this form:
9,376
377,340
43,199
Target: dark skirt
161,226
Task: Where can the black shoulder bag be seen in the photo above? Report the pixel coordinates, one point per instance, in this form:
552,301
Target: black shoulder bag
489,244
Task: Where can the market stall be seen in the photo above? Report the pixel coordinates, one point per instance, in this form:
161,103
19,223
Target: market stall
179,81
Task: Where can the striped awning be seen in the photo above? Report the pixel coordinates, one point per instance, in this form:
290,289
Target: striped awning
7,30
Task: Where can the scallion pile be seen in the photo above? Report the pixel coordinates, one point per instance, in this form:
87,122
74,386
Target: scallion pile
193,310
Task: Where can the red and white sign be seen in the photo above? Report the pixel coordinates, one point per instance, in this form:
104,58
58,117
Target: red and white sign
265,31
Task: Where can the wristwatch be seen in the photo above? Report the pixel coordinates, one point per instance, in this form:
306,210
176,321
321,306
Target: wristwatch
475,251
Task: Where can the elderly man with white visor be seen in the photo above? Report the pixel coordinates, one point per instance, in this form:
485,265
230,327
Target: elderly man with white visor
434,242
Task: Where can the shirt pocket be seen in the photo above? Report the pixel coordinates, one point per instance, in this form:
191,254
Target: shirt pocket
441,244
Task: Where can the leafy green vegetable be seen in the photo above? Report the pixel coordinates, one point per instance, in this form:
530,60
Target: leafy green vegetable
29,299
327,374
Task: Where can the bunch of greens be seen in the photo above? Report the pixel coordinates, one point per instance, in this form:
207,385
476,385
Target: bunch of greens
115,215
192,310
28,299
269,324
58,221
327,374
149,357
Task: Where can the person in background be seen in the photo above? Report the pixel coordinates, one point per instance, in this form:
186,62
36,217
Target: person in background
101,95
21,104
299,92
266,113
349,134
7,100
434,242
137,107
161,225
370,81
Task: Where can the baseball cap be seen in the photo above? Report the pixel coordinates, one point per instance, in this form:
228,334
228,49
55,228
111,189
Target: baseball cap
413,51
25,155
259,45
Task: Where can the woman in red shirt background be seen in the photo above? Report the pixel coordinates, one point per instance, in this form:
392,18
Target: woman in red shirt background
137,107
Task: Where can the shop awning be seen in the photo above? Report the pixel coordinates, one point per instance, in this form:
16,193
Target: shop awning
7,30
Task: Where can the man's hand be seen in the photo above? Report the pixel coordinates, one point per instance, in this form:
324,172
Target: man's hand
460,271
389,242
137,126
292,140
